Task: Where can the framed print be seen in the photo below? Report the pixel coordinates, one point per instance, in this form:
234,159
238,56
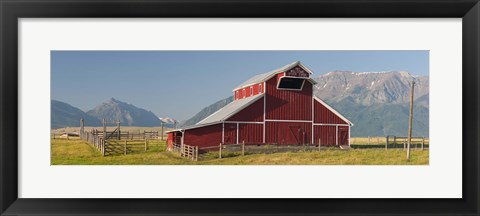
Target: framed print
226,107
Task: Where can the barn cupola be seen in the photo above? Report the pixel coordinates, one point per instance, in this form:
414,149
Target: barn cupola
293,78
289,77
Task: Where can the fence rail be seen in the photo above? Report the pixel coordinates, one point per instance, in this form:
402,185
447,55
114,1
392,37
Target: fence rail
187,151
115,144
95,139
404,140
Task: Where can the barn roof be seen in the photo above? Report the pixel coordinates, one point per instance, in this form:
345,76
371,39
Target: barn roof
224,113
229,110
265,76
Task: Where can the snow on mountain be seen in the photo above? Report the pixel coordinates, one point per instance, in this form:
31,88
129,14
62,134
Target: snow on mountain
368,88
168,120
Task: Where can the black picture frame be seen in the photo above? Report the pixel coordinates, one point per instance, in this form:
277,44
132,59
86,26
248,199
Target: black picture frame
12,10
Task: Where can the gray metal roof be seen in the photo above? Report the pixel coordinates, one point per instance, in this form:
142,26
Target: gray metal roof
263,77
229,110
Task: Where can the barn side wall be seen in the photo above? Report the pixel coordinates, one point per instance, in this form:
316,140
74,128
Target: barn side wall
288,133
288,104
324,134
252,113
327,135
325,116
250,133
257,89
203,136
230,133
170,141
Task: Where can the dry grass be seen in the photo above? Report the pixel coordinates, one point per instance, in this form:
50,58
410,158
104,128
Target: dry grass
77,152
380,141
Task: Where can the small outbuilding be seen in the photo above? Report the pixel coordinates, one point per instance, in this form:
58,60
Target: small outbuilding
277,107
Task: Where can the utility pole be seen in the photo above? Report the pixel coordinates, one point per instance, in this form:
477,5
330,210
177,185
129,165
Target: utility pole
410,121
118,129
82,128
161,122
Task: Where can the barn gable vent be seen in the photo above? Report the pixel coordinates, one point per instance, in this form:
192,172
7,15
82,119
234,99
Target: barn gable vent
290,83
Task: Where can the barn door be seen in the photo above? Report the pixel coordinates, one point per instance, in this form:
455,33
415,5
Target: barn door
343,136
297,133
230,133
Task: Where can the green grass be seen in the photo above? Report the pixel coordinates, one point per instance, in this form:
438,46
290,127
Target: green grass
77,152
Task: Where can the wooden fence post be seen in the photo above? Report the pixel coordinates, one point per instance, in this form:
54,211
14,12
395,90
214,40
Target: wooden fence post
394,140
104,129
145,144
125,148
386,144
319,144
243,148
368,140
220,151
404,146
196,153
103,146
423,142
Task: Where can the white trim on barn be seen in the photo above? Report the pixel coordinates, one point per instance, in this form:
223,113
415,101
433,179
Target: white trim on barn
288,89
264,109
336,134
242,122
349,136
313,116
195,126
277,120
223,133
237,131
321,124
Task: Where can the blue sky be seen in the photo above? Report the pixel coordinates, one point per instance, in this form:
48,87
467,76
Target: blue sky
179,83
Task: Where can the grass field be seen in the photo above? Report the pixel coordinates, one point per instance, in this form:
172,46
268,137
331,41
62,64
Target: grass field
77,152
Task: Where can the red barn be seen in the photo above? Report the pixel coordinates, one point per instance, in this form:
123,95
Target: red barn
277,107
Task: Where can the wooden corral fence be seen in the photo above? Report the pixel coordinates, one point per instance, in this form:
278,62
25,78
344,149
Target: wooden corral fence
136,136
187,151
417,142
115,146
116,142
95,139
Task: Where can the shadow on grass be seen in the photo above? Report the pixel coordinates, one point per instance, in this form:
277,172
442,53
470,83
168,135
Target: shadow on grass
390,146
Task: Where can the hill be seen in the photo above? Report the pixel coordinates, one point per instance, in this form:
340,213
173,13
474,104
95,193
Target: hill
128,114
205,112
66,115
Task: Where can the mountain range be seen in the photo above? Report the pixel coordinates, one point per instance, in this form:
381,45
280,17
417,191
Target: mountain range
65,115
207,111
376,102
